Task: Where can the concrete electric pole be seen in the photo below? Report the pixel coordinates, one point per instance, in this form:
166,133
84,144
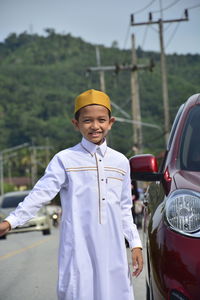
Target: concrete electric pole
160,22
101,73
2,153
35,162
135,101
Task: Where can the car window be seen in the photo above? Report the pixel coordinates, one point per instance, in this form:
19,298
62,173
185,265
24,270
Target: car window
190,142
12,201
171,136
174,126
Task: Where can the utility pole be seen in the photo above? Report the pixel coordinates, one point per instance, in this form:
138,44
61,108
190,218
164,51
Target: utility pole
164,83
5,151
160,22
47,152
133,67
101,73
33,165
136,113
35,162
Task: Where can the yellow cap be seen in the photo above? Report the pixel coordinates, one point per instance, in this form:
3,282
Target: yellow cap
92,97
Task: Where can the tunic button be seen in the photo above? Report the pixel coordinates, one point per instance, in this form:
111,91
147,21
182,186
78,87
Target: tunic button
103,198
102,179
100,160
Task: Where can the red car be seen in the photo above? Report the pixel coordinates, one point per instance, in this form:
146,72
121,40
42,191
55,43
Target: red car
172,210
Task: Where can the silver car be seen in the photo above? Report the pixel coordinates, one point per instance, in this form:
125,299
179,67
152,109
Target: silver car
41,222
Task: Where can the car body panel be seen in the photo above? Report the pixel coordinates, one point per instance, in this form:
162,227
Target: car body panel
172,260
187,180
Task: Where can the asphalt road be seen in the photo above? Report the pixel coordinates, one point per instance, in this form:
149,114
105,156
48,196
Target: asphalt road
28,267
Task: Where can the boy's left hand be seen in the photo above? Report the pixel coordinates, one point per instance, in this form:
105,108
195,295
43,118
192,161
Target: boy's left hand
137,261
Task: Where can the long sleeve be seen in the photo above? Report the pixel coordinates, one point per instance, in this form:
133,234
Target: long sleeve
129,228
43,192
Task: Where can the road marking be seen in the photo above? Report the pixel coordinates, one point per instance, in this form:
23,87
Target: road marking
13,253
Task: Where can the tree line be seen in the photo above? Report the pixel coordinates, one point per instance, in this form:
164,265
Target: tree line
40,76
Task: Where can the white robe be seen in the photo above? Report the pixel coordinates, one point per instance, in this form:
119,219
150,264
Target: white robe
95,191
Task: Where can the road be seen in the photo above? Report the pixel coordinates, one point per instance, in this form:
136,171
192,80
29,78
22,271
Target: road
28,267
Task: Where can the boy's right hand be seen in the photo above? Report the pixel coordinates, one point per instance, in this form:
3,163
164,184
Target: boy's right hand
4,228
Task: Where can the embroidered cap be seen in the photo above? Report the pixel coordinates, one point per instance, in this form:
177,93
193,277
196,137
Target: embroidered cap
92,97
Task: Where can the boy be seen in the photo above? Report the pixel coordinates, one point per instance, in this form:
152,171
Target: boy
95,190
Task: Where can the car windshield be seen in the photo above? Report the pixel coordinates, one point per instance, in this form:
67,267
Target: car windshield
12,201
190,142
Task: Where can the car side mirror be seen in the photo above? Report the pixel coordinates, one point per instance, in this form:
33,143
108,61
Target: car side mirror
144,167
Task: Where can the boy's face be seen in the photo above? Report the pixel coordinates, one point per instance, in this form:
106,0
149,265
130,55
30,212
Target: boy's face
94,123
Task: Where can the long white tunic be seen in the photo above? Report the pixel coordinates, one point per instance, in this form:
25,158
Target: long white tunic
95,191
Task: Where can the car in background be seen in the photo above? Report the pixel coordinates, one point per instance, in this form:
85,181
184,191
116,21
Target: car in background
41,222
171,224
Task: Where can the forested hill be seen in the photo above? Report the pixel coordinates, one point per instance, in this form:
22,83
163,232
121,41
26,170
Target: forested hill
40,77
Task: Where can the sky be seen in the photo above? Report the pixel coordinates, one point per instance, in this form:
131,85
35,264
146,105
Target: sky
105,21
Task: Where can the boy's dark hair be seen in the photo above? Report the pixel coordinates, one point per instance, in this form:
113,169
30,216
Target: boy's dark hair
77,114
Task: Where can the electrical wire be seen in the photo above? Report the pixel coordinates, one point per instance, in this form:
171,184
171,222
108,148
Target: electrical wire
195,6
173,34
144,37
127,36
129,26
168,26
167,7
156,30
141,10
145,7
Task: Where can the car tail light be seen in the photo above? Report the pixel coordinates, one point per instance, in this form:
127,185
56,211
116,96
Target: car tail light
183,211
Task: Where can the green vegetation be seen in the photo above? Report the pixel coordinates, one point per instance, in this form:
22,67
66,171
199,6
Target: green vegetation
41,76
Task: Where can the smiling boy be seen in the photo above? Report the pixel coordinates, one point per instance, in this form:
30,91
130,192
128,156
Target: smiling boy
94,123
95,190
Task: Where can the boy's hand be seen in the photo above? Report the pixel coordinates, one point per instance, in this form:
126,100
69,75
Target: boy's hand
4,228
137,261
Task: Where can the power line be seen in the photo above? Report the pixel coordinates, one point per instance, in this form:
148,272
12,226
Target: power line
145,36
122,111
195,6
127,36
167,7
138,122
145,7
167,27
172,35
154,29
